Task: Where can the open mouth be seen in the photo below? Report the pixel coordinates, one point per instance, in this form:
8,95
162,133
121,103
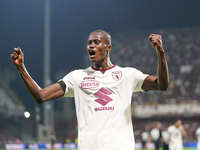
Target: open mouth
91,53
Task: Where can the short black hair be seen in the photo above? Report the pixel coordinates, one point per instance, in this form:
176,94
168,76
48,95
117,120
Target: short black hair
106,36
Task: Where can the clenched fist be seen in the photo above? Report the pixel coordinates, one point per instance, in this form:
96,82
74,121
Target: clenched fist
156,41
17,57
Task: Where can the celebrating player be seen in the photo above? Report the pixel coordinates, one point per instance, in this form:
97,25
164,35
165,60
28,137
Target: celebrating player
102,93
176,134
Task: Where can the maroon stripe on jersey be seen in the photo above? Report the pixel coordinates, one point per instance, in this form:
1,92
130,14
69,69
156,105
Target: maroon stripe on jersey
103,70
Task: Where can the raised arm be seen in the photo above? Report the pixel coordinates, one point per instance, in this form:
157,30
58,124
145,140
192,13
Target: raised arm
39,95
162,80
183,132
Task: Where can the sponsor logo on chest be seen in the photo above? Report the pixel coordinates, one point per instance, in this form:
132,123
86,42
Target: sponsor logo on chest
102,96
89,84
103,99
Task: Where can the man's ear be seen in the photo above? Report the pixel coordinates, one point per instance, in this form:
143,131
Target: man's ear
109,47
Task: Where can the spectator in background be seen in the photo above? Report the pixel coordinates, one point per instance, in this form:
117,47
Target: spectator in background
176,135
155,136
165,139
17,141
144,137
198,138
52,139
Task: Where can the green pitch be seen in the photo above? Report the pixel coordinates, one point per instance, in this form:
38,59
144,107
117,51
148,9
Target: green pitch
162,149
136,149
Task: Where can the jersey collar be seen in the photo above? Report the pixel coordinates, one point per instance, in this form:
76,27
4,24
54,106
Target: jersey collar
103,70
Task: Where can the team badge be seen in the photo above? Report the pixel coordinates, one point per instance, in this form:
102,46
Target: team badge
117,75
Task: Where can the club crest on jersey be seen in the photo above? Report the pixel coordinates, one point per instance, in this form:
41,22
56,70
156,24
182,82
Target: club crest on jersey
117,75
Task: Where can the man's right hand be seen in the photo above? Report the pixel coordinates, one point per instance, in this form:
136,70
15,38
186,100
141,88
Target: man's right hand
17,57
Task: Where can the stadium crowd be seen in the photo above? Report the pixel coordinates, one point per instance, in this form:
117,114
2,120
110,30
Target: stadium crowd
182,51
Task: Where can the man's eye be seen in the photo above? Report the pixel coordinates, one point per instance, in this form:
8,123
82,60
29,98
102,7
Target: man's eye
97,42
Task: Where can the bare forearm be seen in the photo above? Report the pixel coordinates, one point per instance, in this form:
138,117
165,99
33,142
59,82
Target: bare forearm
161,81
148,141
170,140
32,87
39,95
182,131
162,71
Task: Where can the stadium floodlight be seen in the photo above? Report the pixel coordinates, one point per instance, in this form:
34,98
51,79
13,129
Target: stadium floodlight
27,114
48,108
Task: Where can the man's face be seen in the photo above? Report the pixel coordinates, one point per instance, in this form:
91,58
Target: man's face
159,125
96,47
178,123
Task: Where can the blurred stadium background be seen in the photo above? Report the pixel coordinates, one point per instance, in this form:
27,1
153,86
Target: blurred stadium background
130,22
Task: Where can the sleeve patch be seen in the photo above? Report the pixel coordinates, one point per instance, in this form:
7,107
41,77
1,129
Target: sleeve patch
62,84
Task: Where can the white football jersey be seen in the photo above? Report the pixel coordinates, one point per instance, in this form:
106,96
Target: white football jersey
145,135
103,106
176,135
198,134
165,136
155,134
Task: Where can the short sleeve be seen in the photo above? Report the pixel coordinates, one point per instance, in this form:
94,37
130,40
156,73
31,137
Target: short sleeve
138,78
170,129
69,83
198,131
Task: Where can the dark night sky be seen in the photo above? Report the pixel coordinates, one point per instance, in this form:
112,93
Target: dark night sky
21,24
